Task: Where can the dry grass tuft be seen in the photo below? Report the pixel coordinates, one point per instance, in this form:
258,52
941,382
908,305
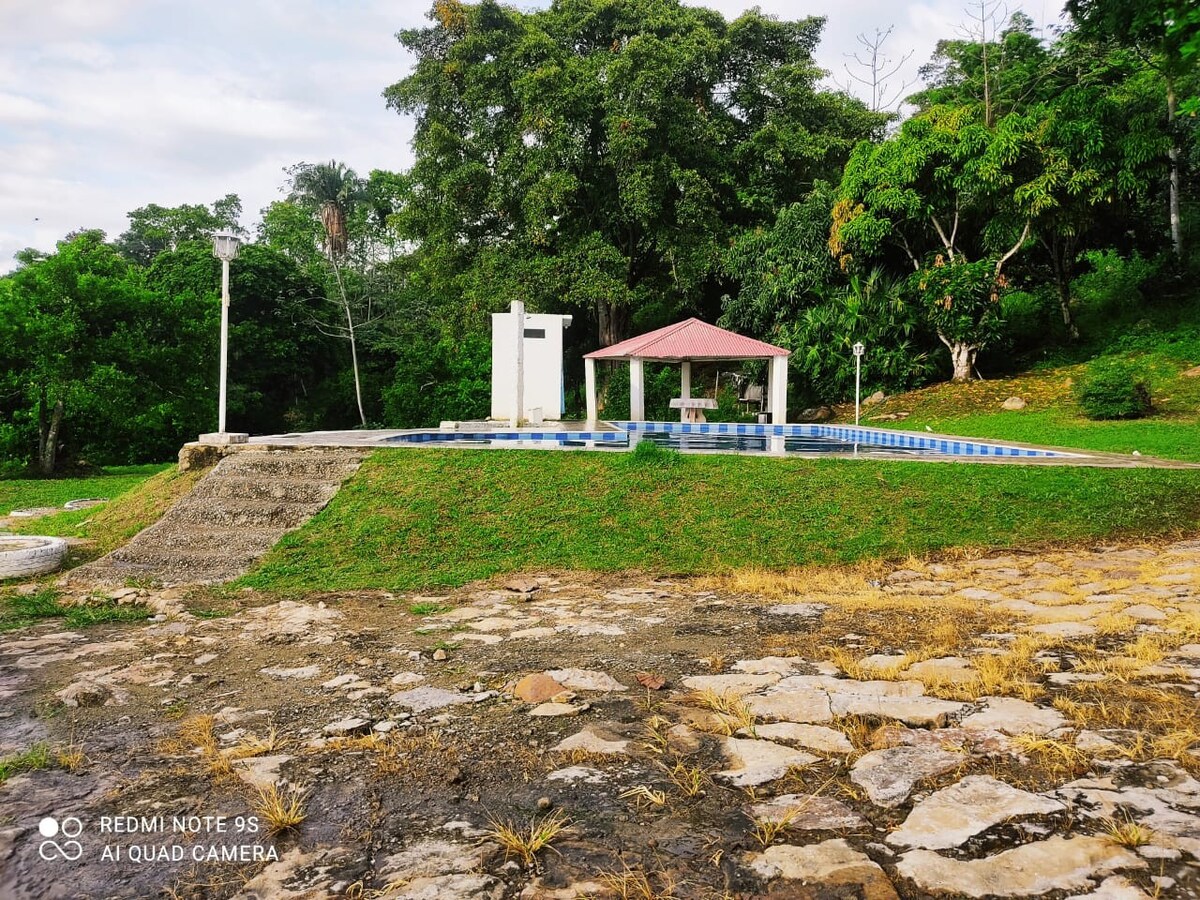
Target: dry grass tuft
733,713
280,810
526,842
1126,832
692,781
644,795
1059,758
634,884
71,757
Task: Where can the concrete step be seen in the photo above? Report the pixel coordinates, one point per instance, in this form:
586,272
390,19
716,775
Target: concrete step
306,464
208,540
181,560
274,515
248,487
235,514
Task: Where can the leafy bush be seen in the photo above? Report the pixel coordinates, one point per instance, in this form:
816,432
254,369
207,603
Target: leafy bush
1114,281
1113,390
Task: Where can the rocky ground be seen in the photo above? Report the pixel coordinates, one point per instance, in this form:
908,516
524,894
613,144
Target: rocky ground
1014,726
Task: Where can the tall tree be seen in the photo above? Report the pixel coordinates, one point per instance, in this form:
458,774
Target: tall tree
948,190
155,229
334,191
1168,32
600,153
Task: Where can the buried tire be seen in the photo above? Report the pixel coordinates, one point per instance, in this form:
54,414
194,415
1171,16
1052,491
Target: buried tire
23,556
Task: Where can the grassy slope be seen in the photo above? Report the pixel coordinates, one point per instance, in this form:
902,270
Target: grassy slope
418,518
141,502
1052,417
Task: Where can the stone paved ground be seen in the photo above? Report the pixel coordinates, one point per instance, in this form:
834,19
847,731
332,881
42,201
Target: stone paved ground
1011,726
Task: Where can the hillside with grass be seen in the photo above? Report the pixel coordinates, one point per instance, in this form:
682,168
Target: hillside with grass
421,518
1158,345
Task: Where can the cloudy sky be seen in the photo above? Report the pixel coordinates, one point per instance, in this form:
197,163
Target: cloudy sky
107,105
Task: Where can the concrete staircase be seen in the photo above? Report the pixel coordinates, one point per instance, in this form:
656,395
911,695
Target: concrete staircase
234,515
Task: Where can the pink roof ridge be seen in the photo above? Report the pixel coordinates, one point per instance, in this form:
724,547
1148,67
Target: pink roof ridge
689,339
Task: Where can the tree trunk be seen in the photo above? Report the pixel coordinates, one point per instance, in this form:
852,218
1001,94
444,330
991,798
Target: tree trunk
1062,256
962,356
48,429
1173,153
362,416
614,323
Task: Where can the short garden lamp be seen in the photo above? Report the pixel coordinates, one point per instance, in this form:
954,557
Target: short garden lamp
859,349
225,248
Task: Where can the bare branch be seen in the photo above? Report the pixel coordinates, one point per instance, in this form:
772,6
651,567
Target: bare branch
1014,248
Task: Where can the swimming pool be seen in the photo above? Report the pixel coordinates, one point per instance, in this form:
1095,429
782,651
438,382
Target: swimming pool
710,437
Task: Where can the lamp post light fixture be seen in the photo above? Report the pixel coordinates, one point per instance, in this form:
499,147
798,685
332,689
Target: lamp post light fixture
859,349
225,248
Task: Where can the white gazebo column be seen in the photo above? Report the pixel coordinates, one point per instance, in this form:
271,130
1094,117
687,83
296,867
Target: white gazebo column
777,379
685,385
637,391
589,380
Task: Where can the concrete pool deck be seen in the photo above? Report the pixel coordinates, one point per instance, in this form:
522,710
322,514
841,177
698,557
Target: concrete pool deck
536,438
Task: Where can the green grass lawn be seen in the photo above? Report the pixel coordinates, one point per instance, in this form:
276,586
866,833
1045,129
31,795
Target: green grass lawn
139,495
1052,416
420,518
23,493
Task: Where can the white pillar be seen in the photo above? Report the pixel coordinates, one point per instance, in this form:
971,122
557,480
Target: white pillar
685,385
777,389
637,391
518,311
589,380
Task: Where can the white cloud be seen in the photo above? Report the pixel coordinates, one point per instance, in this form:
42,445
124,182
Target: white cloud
107,105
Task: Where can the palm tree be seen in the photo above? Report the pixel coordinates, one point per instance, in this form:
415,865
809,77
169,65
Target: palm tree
332,189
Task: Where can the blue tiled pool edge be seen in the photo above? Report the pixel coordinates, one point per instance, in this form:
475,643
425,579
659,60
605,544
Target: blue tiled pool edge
851,434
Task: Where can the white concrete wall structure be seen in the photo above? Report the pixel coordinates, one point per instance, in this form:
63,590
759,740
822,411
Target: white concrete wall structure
527,360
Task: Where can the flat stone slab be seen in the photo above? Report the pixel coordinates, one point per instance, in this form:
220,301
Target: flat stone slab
955,814
819,698
889,776
948,669
754,762
592,740
1055,864
574,774
1012,716
829,864
810,737
425,698
778,665
1115,887
301,672
804,610
347,727
586,680
260,772
732,685
547,710
807,812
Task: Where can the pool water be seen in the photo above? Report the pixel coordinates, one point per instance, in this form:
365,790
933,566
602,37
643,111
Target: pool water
792,439
762,444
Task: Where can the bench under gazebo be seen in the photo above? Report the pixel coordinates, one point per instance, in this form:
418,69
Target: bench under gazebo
685,343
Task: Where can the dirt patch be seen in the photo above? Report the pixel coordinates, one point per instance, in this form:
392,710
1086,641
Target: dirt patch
388,726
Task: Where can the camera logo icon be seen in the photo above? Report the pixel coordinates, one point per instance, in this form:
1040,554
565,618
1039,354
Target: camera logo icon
69,849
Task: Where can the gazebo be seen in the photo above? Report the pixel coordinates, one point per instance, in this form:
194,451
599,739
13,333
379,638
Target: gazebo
685,343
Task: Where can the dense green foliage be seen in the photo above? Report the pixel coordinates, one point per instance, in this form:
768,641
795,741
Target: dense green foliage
417,518
1110,390
630,162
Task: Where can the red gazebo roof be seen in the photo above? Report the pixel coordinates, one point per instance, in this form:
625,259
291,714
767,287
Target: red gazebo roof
689,339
